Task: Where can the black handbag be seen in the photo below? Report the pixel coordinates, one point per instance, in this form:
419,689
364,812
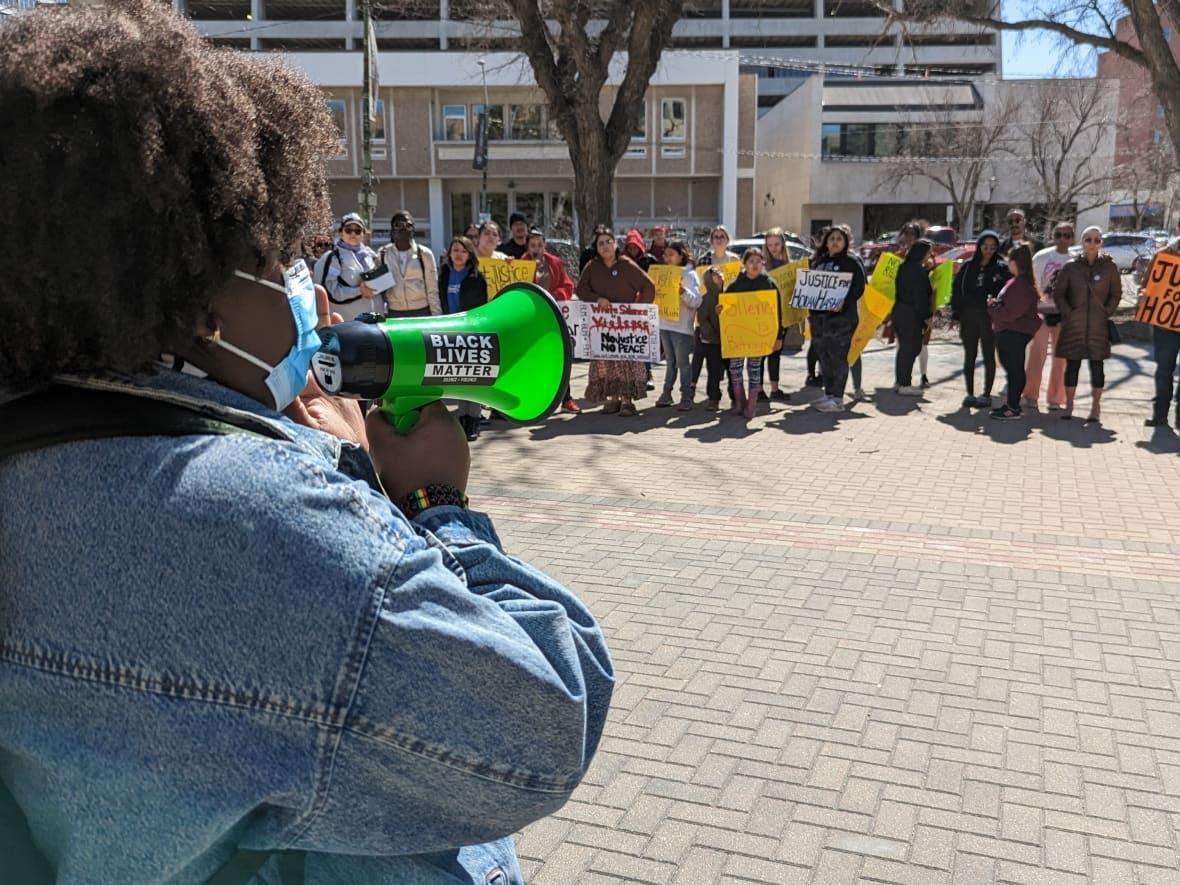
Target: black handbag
1112,332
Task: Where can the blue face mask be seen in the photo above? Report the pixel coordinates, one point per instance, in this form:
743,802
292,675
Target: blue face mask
289,377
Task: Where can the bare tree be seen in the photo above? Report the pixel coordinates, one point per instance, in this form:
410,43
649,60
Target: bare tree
953,153
573,46
1084,22
1064,135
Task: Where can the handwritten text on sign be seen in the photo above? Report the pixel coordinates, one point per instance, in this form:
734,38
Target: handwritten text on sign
619,332
749,323
501,272
784,277
667,280
1160,304
820,289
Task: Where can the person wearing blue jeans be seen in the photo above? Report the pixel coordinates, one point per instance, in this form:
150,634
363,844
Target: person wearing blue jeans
676,336
1166,345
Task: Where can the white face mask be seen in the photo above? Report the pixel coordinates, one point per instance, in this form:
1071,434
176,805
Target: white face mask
285,380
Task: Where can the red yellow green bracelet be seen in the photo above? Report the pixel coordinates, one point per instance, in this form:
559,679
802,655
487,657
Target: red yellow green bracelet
434,495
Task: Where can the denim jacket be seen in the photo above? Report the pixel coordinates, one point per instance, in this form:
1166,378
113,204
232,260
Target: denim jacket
219,642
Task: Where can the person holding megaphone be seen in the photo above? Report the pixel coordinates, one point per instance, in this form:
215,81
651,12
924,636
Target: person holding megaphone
248,629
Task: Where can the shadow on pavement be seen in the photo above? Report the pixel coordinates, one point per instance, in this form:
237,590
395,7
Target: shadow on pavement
980,421
888,402
1077,431
802,421
1163,442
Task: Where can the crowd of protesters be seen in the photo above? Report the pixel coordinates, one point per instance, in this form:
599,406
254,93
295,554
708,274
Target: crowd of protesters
1018,306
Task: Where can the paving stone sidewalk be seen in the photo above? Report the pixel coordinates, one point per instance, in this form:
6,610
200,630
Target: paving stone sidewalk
905,644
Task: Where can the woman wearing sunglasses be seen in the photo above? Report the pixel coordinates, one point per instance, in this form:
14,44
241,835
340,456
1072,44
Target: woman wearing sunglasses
339,271
1087,293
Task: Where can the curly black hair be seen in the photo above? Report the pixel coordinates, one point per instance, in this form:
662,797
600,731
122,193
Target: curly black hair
141,167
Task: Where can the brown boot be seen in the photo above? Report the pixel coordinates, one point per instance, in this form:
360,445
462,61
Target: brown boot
752,403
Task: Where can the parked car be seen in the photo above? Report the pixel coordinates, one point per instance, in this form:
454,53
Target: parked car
796,248
943,238
960,255
1125,248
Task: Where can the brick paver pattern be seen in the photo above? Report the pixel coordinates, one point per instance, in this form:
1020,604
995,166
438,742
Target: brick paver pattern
908,644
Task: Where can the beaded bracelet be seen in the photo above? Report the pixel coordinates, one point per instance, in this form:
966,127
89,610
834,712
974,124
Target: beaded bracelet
433,495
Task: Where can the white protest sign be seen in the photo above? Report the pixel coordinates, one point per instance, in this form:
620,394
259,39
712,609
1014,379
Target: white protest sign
619,332
820,289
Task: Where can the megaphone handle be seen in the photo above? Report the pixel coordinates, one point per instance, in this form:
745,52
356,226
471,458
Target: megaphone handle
402,412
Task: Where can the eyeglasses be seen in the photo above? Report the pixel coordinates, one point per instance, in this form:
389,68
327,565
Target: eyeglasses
354,230
1097,240
1062,235
401,225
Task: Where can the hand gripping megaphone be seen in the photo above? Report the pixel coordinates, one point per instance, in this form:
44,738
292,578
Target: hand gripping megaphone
512,354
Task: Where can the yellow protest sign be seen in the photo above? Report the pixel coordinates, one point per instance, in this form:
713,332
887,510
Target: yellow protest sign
729,270
942,278
1160,303
667,280
784,277
872,309
749,323
500,272
884,278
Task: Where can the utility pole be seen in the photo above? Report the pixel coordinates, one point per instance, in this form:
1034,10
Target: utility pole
481,143
368,199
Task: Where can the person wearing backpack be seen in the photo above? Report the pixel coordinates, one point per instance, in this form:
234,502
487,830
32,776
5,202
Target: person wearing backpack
339,270
249,634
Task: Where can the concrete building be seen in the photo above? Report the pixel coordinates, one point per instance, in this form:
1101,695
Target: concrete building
827,152
690,164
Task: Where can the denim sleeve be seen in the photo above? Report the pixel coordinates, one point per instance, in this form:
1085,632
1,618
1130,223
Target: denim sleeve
480,700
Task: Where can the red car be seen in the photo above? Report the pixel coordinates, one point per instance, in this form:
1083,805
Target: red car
944,239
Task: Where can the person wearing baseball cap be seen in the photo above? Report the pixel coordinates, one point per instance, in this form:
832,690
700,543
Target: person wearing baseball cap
659,239
517,243
339,270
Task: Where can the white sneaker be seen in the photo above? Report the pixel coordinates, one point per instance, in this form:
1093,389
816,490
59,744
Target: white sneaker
830,404
909,390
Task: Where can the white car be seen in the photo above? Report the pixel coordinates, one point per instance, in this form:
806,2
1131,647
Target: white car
1125,248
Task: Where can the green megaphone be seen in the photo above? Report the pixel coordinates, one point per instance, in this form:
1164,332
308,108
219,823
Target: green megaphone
512,354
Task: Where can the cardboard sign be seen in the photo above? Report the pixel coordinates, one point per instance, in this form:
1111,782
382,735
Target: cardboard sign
784,277
501,272
729,270
820,289
942,278
749,323
884,278
1160,303
667,280
872,309
619,332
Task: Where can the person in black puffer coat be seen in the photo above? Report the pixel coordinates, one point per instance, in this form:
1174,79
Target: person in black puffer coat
978,280
911,310
832,330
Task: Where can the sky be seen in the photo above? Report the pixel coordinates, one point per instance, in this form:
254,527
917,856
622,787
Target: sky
1039,54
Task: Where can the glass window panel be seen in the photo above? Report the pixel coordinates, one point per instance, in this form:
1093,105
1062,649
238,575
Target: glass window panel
526,121
829,140
455,122
672,119
379,122
640,133
336,106
495,120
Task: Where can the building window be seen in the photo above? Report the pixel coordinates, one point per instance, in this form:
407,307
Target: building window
839,140
455,122
640,133
336,107
495,120
672,119
526,122
378,130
